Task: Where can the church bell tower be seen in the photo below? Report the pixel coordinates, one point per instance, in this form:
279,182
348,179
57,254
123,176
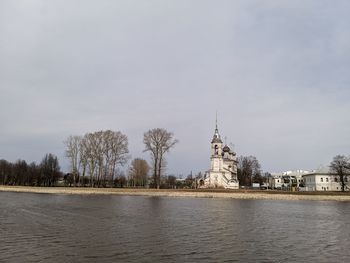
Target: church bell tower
216,150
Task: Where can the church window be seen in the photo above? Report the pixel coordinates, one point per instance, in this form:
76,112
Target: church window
327,179
322,179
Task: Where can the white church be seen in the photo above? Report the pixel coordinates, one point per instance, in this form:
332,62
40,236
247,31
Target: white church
223,168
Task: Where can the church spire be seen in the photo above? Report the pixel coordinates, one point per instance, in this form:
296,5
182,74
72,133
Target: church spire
216,124
216,137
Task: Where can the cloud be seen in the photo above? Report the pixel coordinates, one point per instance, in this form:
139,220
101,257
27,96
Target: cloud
276,72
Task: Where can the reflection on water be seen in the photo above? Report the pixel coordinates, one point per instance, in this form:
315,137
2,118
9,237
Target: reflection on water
72,228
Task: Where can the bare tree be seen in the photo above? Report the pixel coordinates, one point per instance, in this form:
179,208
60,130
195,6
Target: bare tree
83,158
50,169
90,149
248,170
158,142
341,167
171,181
107,153
119,152
72,152
138,172
21,168
5,171
98,153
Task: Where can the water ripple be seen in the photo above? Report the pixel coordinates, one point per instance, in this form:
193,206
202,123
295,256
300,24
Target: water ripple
59,228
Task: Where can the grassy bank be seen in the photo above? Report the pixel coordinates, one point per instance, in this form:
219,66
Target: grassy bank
202,193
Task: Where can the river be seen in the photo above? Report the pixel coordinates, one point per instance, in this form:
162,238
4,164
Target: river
96,228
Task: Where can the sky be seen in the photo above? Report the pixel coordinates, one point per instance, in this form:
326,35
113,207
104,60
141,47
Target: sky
276,72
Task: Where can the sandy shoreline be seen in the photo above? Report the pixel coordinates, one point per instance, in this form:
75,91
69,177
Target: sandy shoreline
266,195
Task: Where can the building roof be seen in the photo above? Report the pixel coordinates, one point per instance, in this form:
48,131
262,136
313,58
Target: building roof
226,149
322,170
216,137
216,140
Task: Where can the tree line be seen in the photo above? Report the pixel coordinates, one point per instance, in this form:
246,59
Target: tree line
95,158
46,173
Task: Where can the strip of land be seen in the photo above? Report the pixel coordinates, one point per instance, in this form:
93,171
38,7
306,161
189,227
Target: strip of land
201,193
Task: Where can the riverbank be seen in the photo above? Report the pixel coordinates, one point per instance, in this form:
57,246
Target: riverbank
201,193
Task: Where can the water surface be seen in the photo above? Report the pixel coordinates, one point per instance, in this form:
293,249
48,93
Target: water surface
88,228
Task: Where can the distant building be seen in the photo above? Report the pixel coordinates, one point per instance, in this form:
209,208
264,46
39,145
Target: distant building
287,179
223,168
275,181
323,179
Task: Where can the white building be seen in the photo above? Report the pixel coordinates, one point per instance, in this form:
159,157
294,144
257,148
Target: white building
323,179
275,181
223,168
287,179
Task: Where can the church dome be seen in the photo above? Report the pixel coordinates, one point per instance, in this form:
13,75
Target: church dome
226,149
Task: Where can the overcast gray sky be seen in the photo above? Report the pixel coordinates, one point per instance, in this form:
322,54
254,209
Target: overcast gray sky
277,72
